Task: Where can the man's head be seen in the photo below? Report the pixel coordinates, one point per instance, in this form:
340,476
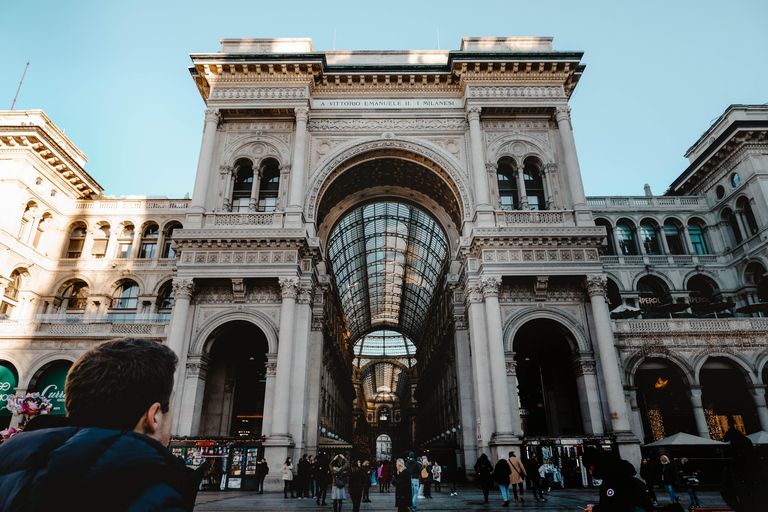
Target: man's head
123,384
511,454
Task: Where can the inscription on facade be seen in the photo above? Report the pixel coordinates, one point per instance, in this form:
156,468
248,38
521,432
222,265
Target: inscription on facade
388,104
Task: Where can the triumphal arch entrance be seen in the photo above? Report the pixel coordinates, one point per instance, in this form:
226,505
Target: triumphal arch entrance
390,251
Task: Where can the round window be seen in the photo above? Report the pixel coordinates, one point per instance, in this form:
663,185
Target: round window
720,191
735,179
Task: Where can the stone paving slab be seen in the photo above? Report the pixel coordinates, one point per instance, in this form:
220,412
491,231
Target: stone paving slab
468,499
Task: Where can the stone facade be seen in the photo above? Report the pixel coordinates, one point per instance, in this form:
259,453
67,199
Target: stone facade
519,339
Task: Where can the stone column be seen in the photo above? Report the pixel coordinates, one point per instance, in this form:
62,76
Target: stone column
617,246
502,436
314,373
663,237
694,393
479,177
483,426
227,173
589,396
196,371
183,290
296,191
521,188
743,224
687,239
253,202
269,394
299,385
548,172
758,395
596,286
281,412
514,397
563,118
207,147
466,386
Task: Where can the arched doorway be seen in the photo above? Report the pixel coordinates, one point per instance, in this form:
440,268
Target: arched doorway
49,381
662,396
233,404
549,401
383,447
726,398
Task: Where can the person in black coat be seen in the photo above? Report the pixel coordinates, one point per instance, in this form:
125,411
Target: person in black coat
262,470
402,483
650,473
323,478
620,491
484,474
110,452
534,479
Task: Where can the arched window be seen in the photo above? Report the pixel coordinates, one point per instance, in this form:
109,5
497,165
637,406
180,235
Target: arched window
648,237
653,293
168,251
534,184
696,234
269,186
608,244
13,287
241,194
734,231
100,241
149,238
748,215
125,241
755,274
125,302
614,295
626,238
384,414
76,241
505,177
674,240
75,297
165,302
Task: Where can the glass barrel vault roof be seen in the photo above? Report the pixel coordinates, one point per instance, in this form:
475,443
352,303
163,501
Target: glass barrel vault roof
386,260
384,343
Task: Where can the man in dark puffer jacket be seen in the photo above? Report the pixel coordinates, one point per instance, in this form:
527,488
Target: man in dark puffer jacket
110,452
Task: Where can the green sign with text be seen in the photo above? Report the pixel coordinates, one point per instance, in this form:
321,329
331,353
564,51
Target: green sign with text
51,386
8,382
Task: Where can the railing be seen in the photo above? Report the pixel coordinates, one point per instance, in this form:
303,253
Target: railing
82,325
534,217
133,204
271,219
648,202
691,325
121,263
661,260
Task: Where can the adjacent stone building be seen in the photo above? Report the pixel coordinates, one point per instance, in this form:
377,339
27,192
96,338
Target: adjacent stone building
393,251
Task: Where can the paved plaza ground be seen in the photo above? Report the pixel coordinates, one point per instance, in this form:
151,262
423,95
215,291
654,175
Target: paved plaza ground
469,499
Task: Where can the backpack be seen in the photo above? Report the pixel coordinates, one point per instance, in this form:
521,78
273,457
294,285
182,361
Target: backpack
424,473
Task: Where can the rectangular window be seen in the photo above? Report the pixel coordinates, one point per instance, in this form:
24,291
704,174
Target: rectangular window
124,250
699,247
99,248
267,204
75,248
507,203
168,251
533,202
147,250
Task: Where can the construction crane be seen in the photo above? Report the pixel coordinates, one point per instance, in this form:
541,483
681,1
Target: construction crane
17,90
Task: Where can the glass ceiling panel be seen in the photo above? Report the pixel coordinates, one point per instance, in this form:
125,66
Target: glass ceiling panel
385,344
386,260
384,382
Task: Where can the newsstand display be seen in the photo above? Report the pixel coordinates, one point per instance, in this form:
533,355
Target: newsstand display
229,463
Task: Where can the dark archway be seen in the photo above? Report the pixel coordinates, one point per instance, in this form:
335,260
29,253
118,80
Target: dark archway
234,389
662,396
726,398
549,401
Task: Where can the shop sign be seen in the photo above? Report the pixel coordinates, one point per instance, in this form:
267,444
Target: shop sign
650,301
8,383
698,300
51,386
234,483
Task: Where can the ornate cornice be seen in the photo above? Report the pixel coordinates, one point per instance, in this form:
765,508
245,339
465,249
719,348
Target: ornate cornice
259,93
540,92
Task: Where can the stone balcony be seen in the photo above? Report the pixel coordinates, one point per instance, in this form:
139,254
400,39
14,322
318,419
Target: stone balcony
46,326
670,326
120,263
660,259
645,203
535,218
245,220
134,205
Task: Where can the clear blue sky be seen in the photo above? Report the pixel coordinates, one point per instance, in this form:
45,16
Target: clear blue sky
114,74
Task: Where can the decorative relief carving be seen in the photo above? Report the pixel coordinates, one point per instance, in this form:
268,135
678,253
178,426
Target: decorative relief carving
215,295
238,290
511,367
583,367
473,113
379,125
305,294
541,287
271,369
527,92
259,93
289,287
474,293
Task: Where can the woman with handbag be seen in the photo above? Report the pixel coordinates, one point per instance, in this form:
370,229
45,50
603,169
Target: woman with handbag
287,471
339,466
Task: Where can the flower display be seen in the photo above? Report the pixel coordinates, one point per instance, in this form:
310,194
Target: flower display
8,433
29,405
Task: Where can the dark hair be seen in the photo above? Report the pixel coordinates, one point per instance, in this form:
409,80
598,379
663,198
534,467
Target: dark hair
115,383
287,460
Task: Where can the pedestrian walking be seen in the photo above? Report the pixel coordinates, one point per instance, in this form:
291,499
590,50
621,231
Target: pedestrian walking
484,475
668,478
339,466
534,477
402,483
323,478
501,475
436,475
426,479
414,470
356,482
262,470
367,472
386,475
516,475
689,478
302,477
650,474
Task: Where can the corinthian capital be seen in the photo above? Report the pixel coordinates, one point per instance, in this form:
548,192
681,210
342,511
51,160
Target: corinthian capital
490,286
473,113
305,294
563,112
302,113
596,285
474,293
289,287
491,168
226,170
183,288
212,115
